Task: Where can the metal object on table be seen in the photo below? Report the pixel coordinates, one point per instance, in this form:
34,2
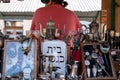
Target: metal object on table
42,62
50,32
87,53
103,68
59,76
94,71
87,63
94,27
50,66
111,37
88,71
100,74
104,48
73,75
26,42
44,76
43,73
25,46
27,74
95,57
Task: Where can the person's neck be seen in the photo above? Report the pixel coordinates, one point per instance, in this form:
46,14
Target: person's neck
50,3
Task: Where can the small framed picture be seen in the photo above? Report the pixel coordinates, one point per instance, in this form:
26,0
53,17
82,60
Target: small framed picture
16,63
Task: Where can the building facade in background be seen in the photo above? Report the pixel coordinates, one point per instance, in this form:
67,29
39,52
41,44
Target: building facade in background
16,16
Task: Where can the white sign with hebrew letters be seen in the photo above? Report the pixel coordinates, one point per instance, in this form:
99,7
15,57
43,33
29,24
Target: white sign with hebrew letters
58,49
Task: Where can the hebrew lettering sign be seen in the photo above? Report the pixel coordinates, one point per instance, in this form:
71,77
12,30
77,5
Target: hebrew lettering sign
58,50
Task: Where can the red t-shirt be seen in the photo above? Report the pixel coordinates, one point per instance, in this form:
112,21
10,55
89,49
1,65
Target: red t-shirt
60,15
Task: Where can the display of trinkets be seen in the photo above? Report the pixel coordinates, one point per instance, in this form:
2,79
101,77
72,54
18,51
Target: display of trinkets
113,38
97,61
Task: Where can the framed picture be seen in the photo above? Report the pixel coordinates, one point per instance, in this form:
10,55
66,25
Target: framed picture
16,63
96,64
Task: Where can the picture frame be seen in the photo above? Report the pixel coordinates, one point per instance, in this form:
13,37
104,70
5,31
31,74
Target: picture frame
15,62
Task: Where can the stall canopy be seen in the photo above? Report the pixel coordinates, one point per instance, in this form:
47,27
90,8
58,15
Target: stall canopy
23,9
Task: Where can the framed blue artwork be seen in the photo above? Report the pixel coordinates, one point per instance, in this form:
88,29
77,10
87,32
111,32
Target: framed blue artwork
15,62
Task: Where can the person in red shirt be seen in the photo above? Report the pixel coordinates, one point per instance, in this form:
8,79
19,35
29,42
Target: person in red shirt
55,9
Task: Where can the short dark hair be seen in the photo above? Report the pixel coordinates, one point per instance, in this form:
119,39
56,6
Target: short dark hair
61,2
45,1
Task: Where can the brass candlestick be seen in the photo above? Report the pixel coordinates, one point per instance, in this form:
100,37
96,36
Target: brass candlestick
43,75
42,62
50,67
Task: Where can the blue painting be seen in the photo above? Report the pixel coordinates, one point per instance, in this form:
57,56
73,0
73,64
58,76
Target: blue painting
15,59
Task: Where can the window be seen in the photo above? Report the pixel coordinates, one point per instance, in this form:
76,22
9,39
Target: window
13,23
13,27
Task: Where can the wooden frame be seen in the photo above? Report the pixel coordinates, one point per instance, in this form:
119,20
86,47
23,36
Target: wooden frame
89,47
15,61
13,28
